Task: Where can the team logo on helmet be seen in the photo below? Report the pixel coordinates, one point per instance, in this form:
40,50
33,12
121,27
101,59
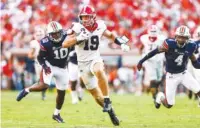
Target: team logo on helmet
54,31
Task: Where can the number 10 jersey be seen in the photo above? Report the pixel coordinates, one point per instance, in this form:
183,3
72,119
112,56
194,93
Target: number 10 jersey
89,50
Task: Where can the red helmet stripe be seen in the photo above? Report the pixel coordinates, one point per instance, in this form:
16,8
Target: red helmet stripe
54,26
182,29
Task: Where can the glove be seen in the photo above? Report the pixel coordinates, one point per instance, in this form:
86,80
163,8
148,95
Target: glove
47,69
125,47
82,36
139,65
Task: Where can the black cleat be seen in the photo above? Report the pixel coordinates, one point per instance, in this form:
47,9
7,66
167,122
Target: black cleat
21,95
43,95
157,105
107,105
113,117
80,98
58,118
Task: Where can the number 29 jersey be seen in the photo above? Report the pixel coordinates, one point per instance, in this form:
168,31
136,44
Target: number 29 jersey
89,50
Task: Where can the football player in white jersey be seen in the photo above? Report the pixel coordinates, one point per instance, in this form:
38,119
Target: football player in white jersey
86,35
154,66
39,33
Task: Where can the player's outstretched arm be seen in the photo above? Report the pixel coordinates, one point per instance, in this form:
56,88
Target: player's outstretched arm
69,41
41,59
118,40
195,62
73,39
162,48
110,35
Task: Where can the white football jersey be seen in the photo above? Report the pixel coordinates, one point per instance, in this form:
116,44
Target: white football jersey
36,45
89,50
149,46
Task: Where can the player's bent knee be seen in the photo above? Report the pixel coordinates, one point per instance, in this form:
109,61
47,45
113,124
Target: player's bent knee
98,69
99,72
43,85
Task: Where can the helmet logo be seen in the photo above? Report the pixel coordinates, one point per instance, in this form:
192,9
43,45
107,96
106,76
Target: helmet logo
182,30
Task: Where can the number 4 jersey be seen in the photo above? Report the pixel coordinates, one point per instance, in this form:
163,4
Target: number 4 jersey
89,50
176,57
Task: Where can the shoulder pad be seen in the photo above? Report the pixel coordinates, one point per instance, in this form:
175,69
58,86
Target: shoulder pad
191,47
44,40
101,24
76,27
198,43
143,39
171,42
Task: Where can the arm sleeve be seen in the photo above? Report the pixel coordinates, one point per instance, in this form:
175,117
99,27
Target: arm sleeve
42,55
149,55
196,64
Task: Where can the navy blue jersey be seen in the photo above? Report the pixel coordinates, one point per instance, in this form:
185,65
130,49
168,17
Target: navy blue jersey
53,52
176,57
198,45
198,49
73,56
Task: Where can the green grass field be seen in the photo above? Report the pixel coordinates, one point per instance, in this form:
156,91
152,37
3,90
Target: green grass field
134,112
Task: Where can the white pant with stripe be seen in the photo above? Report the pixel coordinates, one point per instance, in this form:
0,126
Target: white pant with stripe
173,80
60,74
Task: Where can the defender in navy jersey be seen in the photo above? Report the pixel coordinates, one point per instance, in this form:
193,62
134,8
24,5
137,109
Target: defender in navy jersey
194,72
177,53
198,48
53,59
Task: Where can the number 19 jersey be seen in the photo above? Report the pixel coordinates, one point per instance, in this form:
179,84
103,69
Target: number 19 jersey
89,50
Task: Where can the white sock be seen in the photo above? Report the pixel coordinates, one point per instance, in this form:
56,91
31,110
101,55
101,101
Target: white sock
160,97
56,111
74,97
80,93
27,90
105,96
198,98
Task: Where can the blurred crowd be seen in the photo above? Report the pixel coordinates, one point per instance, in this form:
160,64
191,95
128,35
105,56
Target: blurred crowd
125,17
